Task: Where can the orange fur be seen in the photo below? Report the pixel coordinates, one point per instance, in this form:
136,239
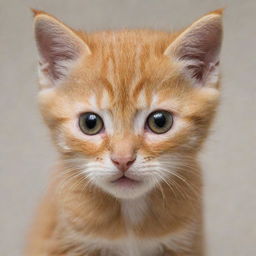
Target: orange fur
123,65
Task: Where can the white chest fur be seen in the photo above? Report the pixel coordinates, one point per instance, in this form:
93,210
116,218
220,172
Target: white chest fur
134,246
130,246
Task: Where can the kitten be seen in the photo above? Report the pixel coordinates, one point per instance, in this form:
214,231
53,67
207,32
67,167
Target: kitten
128,112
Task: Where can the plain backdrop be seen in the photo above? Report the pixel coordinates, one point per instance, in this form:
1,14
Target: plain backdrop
228,158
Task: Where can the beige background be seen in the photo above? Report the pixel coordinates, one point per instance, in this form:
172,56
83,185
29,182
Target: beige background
26,155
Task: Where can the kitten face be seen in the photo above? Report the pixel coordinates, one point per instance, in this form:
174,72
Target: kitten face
158,156
121,78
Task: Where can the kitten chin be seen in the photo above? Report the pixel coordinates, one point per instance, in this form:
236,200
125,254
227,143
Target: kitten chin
128,111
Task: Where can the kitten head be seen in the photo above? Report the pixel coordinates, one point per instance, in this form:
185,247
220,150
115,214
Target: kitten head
128,109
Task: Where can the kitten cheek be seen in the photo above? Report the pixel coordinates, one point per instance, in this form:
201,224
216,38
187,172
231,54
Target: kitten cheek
87,147
61,143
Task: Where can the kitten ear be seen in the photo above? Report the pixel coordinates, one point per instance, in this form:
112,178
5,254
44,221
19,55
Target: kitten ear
59,48
197,49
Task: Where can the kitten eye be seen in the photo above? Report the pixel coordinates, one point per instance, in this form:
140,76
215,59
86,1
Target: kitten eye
160,121
90,123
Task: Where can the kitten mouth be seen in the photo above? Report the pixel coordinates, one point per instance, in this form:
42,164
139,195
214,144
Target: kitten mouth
125,181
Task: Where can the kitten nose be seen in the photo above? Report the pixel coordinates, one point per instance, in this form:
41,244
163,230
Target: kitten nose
123,163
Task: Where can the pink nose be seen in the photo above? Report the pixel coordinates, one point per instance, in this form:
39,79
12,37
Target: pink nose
123,163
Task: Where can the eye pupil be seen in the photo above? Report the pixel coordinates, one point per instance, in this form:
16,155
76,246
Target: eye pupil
159,119
91,121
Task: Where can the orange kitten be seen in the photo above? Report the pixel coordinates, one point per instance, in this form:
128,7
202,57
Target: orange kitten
128,112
